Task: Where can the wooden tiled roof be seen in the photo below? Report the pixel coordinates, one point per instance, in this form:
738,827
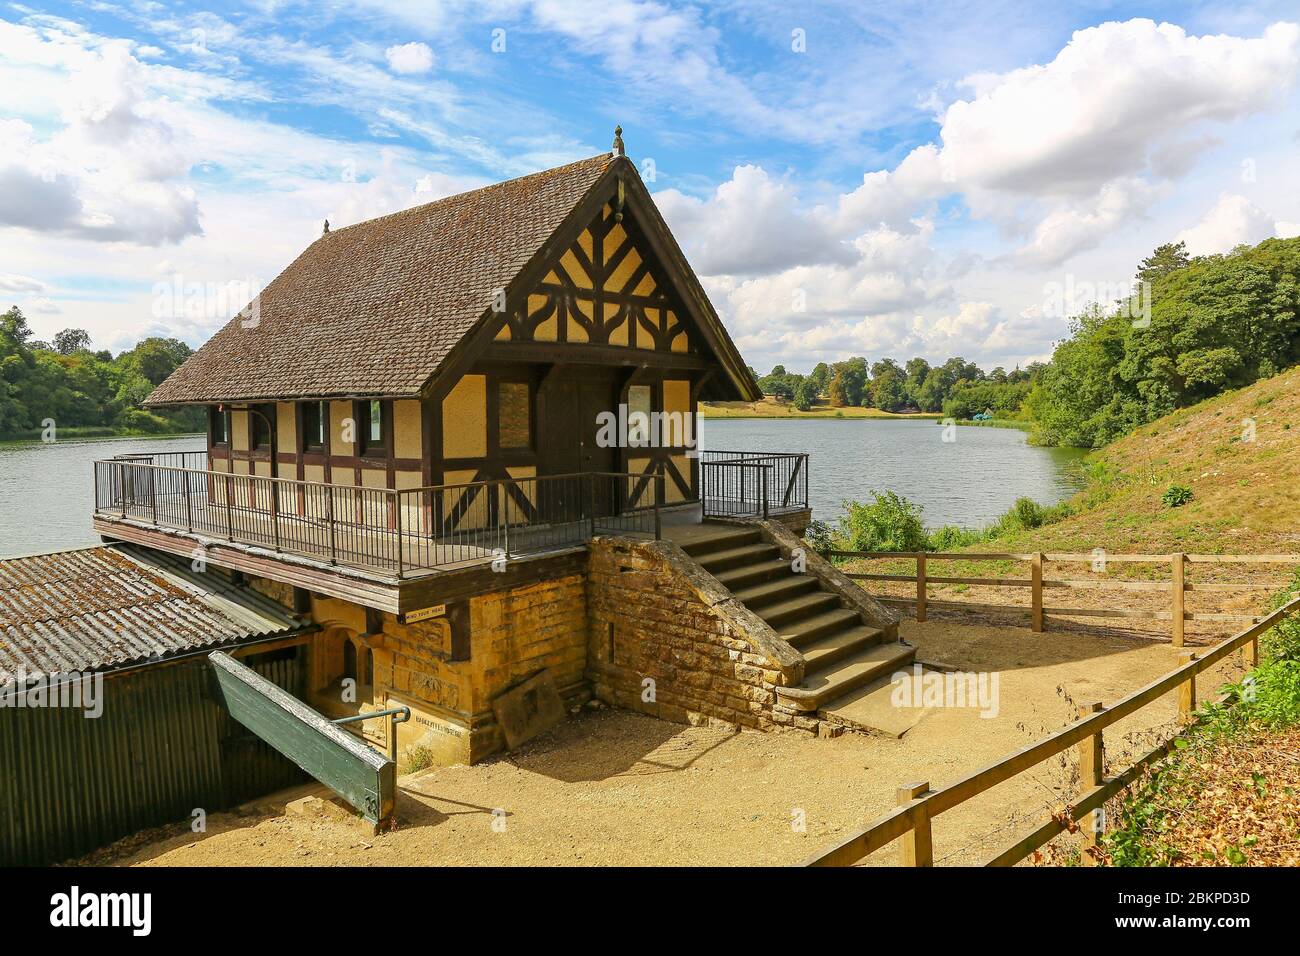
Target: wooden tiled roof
375,308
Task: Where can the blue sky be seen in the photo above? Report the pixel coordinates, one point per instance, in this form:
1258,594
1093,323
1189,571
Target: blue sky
847,178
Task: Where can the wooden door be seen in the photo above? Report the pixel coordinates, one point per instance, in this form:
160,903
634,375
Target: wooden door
571,408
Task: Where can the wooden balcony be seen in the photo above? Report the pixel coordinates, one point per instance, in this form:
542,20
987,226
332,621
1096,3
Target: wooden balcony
390,549
398,550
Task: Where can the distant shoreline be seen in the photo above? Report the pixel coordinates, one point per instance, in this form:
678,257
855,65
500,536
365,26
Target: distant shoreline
90,433
778,410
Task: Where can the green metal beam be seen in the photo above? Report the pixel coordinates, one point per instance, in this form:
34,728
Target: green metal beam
347,765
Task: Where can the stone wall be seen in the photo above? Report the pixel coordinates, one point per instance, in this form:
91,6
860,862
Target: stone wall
512,635
655,614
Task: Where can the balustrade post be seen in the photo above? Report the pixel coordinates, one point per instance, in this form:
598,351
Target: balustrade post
397,505
329,520
189,514
230,525
275,513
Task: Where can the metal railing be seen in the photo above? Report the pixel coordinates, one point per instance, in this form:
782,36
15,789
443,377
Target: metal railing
385,529
752,483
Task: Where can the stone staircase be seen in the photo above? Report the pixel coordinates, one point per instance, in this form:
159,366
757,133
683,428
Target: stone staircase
841,652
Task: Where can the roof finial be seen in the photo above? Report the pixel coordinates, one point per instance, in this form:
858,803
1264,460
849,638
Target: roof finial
618,141
326,230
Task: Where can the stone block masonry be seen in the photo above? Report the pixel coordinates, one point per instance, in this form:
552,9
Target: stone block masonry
666,639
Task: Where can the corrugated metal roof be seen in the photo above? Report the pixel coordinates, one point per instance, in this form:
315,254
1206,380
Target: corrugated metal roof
120,605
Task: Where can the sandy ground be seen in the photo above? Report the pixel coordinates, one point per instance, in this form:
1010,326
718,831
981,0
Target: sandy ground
611,787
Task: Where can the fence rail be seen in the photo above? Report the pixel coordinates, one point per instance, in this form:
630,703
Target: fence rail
752,483
390,530
1038,611
919,805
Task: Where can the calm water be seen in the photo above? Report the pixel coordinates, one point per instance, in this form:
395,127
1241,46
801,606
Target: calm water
46,491
970,482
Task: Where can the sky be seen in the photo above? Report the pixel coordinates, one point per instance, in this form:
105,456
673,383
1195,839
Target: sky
883,179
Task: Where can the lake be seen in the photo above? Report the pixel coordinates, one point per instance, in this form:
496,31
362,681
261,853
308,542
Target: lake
47,490
970,482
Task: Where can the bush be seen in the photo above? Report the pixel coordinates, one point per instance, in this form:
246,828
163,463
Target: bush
950,537
1176,496
890,523
819,537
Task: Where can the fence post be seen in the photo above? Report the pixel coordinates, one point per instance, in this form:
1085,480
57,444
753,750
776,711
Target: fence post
189,514
1250,650
917,846
1092,763
920,587
1179,568
764,473
1036,591
121,469
1187,689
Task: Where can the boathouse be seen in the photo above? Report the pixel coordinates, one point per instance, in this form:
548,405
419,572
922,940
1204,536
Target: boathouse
460,440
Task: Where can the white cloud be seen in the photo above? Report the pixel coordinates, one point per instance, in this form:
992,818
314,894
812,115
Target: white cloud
410,58
112,171
11,282
1230,222
1068,151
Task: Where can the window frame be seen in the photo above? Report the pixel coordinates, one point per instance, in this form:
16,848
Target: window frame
365,446
215,414
261,416
531,392
306,445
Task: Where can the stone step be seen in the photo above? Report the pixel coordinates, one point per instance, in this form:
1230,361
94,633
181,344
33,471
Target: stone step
805,605
736,557
832,648
773,592
747,575
859,668
707,541
805,630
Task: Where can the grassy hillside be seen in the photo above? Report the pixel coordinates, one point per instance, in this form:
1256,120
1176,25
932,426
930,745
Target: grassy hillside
1245,492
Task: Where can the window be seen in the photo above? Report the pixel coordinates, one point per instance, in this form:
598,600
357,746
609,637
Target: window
514,416
259,426
640,403
371,426
219,421
314,417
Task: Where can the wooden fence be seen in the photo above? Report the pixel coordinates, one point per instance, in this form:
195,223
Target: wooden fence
919,805
1038,612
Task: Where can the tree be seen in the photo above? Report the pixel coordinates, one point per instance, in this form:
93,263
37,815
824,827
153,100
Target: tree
71,341
1166,259
805,394
888,390
837,392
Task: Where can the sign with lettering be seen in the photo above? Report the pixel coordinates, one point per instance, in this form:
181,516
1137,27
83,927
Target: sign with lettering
424,614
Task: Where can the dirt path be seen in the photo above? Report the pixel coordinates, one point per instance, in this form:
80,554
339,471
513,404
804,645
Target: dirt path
611,787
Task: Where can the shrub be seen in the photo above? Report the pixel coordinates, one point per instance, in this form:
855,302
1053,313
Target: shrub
1176,496
951,537
820,537
889,523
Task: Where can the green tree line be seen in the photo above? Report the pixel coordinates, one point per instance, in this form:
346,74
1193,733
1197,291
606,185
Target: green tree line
1194,328
82,389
